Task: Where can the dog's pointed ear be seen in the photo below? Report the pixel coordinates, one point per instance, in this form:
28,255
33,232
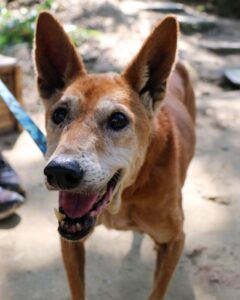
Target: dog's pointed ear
56,59
148,72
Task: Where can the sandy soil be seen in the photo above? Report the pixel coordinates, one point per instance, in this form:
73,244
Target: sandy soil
120,265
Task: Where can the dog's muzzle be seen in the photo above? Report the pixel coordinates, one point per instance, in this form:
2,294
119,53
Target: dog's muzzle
78,211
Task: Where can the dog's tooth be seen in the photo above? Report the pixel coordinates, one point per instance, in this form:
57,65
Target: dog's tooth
59,215
93,213
78,226
73,228
102,193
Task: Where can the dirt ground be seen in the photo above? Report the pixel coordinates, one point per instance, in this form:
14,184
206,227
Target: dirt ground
120,265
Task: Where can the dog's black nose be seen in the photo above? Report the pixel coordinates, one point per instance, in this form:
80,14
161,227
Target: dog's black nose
63,173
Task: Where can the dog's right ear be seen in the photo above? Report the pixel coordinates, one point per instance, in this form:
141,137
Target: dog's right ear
148,72
56,59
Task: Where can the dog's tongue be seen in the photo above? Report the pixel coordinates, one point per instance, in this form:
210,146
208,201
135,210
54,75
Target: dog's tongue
76,205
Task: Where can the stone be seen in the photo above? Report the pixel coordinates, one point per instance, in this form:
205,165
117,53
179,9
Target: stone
190,24
233,76
165,7
221,47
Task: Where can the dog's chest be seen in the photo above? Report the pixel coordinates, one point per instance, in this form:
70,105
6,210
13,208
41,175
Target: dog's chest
121,221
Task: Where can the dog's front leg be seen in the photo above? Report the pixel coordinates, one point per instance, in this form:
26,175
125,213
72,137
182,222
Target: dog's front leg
168,256
73,254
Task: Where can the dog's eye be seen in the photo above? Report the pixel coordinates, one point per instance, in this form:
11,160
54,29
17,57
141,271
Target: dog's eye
117,121
59,115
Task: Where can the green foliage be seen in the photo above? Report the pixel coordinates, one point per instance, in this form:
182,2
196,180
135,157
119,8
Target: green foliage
16,31
17,27
80,34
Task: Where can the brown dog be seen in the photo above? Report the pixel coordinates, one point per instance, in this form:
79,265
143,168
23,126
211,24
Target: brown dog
119,145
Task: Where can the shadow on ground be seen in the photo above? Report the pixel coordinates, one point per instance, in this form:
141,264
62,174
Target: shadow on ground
10,222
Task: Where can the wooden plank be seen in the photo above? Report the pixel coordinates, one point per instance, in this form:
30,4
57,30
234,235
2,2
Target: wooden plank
10,73
7,62
6,123
3,107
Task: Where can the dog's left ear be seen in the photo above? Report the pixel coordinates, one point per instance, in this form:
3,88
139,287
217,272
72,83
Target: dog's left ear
56,59
148,72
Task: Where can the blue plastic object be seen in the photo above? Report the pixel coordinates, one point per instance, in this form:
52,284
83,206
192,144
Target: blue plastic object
23,118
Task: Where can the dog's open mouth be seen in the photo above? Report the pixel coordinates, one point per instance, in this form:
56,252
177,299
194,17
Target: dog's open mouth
78,212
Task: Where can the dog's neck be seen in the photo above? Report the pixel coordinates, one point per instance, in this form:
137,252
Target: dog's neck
160,142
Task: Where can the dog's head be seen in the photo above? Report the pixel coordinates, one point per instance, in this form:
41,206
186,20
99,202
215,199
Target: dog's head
98,126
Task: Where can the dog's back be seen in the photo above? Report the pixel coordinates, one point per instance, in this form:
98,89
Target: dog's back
180,102
180,87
